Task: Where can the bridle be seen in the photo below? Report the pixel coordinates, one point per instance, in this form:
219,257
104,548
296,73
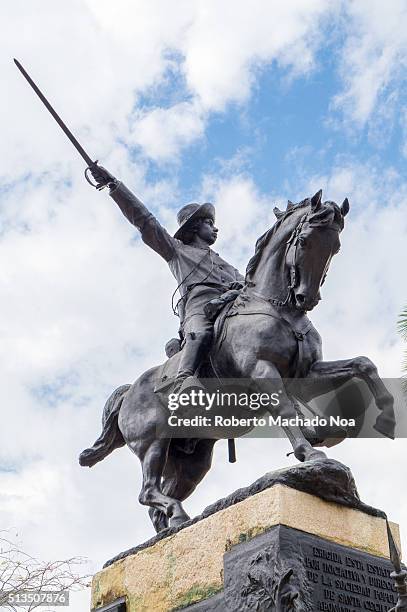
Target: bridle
291,255
290,260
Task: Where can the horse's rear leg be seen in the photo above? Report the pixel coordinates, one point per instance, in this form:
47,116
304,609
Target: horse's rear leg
153,459
182,475
184,472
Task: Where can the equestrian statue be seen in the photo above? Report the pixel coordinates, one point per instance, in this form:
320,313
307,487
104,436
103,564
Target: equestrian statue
265,334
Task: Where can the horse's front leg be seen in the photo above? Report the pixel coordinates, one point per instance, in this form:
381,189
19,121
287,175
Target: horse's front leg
334,373
266,376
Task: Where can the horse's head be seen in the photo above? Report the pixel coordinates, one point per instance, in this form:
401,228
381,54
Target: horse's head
292,258
310,248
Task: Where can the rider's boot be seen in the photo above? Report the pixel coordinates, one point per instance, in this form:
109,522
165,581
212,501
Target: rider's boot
195,348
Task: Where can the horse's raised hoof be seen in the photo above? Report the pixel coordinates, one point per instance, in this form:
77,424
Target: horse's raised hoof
305,452
385,425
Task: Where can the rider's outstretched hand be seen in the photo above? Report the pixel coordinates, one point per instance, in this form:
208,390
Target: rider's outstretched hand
102,176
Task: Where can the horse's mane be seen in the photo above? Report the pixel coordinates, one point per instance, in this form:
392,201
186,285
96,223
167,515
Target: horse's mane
259,248
328,213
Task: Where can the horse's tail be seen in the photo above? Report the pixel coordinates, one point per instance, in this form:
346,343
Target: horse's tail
111,436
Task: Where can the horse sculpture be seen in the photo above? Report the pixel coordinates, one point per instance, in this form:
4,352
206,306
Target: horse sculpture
267,336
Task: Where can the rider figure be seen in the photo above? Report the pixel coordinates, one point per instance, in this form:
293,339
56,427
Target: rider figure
201,275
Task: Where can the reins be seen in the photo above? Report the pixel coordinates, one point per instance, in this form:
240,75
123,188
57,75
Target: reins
290,259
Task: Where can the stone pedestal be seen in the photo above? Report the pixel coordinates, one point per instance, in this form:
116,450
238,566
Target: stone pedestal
298,539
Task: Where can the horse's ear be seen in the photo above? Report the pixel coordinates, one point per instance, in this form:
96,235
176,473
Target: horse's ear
345,207
279,213
289,204
316,200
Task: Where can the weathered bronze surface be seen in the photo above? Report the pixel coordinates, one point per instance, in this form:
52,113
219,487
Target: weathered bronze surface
266,335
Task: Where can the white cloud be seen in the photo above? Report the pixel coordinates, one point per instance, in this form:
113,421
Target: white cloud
228,42
374,56
162,133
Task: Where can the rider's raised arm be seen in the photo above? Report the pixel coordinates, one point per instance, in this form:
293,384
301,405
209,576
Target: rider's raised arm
152,232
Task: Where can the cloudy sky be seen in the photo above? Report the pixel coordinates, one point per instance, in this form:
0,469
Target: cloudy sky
243,104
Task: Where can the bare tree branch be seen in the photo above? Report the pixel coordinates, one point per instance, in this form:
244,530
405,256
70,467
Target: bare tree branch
21,573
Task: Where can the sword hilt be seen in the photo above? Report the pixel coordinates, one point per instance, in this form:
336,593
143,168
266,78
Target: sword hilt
88,170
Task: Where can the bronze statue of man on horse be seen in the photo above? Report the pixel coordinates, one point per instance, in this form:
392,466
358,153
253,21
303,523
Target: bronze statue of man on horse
267,336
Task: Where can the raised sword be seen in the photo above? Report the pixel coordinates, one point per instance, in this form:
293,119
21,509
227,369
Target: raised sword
90,163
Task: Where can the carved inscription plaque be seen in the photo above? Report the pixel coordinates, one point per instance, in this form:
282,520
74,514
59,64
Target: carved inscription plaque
345,580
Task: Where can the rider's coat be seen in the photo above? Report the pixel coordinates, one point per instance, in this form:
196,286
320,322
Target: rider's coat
201,273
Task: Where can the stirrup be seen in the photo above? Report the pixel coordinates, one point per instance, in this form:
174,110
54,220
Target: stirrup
188,384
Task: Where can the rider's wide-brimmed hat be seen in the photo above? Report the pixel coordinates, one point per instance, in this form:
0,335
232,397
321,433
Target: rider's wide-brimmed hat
190,213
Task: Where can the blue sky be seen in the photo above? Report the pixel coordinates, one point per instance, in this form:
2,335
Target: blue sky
246,106
288,128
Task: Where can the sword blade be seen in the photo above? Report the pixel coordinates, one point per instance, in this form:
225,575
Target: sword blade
57,118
